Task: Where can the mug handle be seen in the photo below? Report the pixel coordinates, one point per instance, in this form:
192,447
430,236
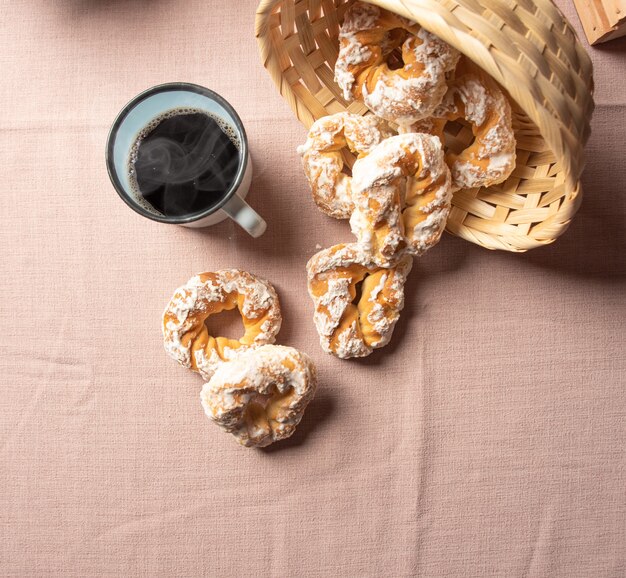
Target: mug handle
245,216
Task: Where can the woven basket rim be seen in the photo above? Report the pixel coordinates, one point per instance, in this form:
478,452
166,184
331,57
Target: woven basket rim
499,71
564,129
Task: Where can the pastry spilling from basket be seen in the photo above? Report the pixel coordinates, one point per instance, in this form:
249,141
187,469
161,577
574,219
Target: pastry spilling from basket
398,195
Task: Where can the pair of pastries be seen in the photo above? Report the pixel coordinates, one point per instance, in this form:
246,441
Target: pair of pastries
411,78
398,194
399,201
255,390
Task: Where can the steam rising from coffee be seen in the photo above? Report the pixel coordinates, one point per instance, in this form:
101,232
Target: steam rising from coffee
184,162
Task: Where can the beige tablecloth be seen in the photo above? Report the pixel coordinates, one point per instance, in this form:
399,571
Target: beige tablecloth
486,440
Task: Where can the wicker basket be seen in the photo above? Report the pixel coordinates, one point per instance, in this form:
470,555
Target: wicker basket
525,45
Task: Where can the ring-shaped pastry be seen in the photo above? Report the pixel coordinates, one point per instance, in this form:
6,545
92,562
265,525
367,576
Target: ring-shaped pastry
352,325
367,38
402,196
490,158
260,396
186,337
323,162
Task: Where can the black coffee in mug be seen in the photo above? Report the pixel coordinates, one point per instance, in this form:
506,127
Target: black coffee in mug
184,162
178,153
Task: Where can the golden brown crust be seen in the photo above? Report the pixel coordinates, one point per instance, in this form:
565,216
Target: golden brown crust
368,36
402,196
260,396
490,159
323,161
348,328
186,337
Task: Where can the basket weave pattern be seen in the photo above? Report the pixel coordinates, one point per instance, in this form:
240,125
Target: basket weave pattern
527,46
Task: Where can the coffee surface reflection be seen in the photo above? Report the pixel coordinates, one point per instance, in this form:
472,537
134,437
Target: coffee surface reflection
184,162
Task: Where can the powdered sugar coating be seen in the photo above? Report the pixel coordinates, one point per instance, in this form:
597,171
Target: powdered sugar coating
404,100
490,159
186,338
403,95
353,54
176,322
347,329
323,162
402,196
260,396
376,290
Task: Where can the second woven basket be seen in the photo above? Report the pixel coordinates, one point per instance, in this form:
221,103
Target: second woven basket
527,46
